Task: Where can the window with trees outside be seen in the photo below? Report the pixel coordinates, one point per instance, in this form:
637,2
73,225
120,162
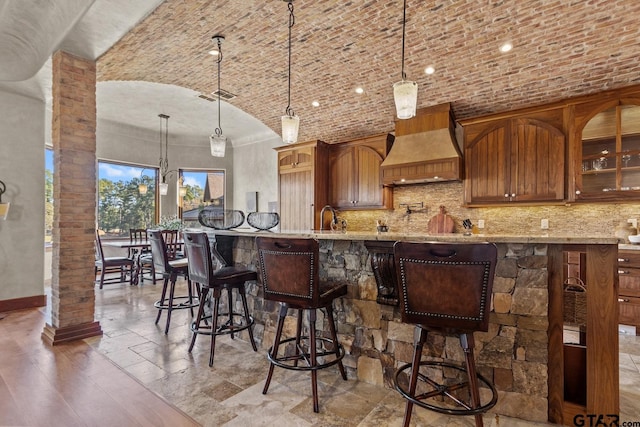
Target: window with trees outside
199,189
121,204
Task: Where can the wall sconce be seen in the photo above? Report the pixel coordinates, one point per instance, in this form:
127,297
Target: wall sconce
4,207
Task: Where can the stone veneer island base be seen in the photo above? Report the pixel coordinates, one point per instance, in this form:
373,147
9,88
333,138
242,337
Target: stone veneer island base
522,353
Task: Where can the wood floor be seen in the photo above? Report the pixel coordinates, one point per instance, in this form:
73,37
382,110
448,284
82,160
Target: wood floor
69,384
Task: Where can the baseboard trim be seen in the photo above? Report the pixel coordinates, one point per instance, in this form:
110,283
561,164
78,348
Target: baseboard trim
22,303
54,336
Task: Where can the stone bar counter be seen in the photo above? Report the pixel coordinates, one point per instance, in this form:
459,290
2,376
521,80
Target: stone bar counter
522,353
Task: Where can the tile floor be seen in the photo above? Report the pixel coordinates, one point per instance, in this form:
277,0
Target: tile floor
230,393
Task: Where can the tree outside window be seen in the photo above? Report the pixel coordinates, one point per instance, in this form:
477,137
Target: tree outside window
120,204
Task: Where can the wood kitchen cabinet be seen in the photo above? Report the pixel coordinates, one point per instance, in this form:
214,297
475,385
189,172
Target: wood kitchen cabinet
355,180
607,149
302,190
514,160
629,293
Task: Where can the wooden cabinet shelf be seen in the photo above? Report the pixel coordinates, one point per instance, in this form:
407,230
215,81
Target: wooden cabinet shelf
608,147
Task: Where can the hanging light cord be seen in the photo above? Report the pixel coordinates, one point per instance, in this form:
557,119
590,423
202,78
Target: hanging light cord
404,20
164,161
292,21
219,60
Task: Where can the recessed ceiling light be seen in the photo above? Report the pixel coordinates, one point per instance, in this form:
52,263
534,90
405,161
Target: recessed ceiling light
506,47
429,70
359,90
315,103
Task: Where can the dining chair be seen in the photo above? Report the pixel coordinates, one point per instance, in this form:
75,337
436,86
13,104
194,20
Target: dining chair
142,255
170,270
106,265
174,246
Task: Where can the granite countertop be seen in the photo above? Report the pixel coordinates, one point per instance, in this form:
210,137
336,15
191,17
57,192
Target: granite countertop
452,237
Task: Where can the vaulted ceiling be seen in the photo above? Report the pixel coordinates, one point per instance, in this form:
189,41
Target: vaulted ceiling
561,48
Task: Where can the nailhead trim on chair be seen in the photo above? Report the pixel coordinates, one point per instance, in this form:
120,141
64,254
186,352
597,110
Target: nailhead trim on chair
266,284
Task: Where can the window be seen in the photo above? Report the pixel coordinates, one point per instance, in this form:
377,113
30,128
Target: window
121,206
200,189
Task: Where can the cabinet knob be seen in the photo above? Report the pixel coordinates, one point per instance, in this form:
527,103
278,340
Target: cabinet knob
506,195
623,259
578,192
513,194
623,272
624,300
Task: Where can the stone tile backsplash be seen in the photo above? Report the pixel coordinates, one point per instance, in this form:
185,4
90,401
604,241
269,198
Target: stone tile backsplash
584,219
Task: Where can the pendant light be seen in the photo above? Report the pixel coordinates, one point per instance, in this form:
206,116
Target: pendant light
405,93
142,187
218,141
164,161
290,122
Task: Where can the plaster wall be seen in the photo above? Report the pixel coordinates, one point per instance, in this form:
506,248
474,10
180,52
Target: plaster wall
22,170
117,142
255,168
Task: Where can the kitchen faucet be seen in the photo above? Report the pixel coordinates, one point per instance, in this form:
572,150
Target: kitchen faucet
334,216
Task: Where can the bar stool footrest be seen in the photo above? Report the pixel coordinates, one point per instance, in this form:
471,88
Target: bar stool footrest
178,303
290,361
442,391
223,328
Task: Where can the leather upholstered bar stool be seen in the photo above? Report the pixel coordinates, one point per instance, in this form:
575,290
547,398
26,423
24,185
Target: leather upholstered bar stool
170,269
199,253
289,274
446,288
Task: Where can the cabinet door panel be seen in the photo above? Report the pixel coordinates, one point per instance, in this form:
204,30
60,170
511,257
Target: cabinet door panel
630,285
629,311
369,184
343,179
488,169
296,201
538,161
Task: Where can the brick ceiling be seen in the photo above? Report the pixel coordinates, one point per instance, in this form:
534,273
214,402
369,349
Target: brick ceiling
562,48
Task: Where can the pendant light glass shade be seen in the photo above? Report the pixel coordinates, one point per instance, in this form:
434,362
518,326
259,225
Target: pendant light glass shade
405,94
142,188
290,126
164,188
218,145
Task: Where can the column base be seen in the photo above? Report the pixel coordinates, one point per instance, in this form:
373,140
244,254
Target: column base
54,336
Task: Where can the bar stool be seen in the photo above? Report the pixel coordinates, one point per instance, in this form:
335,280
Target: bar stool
446,288
199,253
289,274
170,269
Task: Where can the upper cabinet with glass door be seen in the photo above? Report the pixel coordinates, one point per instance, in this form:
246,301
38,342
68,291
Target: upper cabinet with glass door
609,152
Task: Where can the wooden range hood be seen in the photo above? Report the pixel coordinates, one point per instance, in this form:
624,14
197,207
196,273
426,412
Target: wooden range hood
425,149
